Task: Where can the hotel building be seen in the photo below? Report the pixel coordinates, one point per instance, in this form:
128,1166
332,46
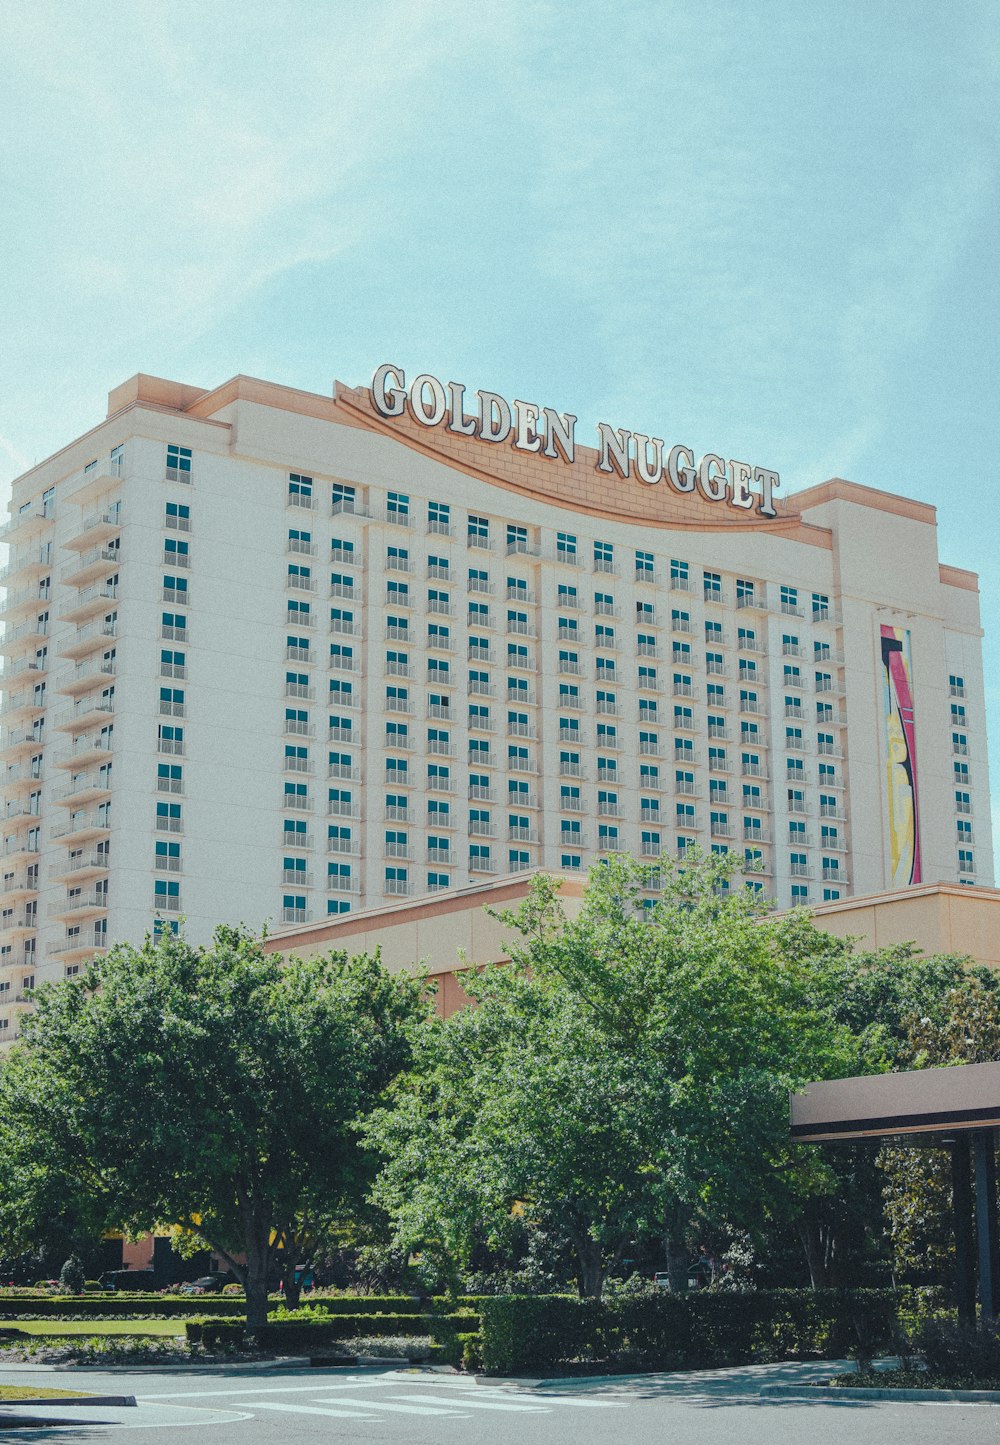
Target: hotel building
271,655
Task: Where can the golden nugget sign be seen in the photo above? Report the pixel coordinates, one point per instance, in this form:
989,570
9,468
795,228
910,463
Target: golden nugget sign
552,434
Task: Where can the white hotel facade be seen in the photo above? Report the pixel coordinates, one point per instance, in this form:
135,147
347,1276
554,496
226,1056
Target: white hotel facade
271,655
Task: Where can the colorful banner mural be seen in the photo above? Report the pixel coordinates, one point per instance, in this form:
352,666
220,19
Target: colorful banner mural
901,757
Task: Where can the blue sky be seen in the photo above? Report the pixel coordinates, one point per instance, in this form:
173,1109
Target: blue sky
766,228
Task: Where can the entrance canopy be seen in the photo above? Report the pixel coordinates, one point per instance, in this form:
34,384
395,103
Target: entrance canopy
957,1109
923,1101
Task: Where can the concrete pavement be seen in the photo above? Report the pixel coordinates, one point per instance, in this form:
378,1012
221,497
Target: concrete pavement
419,1407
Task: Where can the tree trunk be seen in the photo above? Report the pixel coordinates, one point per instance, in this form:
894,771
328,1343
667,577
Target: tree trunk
591,1279
816,1255
675,1248
292,1286
258,1259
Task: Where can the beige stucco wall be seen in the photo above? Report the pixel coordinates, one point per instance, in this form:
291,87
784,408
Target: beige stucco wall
442,935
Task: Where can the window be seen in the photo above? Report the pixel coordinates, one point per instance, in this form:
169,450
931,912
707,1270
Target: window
565,547
790,602
820,607
604,557
439,518
479,531
178,464
178,517
956,685
166,893
644,566
712,586
170,739
345,498
679,575
397,508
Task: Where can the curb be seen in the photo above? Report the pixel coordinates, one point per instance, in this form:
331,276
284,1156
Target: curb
60,1401
860,1392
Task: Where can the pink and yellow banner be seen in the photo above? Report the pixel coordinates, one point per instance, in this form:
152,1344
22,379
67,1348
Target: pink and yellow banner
901,757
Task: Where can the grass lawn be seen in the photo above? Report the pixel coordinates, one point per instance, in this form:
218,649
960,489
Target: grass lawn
13,1393
99,1327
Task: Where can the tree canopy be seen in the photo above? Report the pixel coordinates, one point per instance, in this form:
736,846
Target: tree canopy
216,1089
627,1072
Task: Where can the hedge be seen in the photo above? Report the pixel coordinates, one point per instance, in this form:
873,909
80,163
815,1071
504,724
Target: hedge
307,1335
148,1306
665,1331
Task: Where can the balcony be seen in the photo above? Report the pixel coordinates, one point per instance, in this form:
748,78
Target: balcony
291,839
37,563
300,690
295,582
81,828
482,865
342,883
91,565
22,706
85,789
26,776
351,507
85,751
20,888
339,808
29,634
89,601
84,676
88,712
28,523
15,925
80,867
81,944
79,906
293,877
94,531
343,770
755,601
26,599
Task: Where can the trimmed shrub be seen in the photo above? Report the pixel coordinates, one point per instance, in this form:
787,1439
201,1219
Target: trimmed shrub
960,1351
668,1331
309,1334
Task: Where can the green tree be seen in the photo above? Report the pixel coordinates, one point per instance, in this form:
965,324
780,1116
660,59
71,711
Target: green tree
211,1088
955,1023
627,1072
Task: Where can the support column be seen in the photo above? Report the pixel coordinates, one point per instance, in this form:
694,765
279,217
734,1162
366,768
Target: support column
986,1224
965,1258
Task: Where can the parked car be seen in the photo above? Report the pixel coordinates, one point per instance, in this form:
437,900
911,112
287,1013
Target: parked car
661,1279
129,1279
206,1284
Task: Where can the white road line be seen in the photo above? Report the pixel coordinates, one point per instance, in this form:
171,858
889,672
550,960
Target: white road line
350,1382
305,1410
491,1404
452,1410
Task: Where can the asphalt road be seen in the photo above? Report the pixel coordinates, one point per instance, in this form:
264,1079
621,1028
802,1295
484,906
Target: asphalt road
404,1407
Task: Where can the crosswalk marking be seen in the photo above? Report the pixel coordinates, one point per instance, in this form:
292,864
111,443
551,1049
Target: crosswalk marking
450,1409
489,1404
288,1408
